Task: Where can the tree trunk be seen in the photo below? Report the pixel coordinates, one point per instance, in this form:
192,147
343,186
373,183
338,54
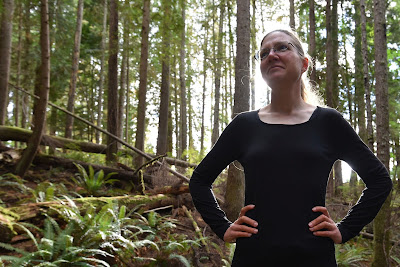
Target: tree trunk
101,84
123,86
359,81
75,67
112,100
217,82
292,23
5,55
364,47
164,98
381,256
141,113
26,80
253,60
203,99
182,79
17,101
42,88
312,42
235,181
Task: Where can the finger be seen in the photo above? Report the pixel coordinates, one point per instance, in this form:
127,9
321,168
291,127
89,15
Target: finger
246,209
324,233
246,220
319,219
244,228
322,209
323,225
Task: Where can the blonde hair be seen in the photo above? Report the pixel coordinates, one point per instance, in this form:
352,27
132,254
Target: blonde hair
308,93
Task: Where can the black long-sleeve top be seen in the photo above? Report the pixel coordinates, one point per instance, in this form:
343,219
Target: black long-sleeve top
286,172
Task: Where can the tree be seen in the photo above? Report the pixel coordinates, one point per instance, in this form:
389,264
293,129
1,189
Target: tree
112,99
5,55
364,47
182,85
141,113
42,87
382,221
162,137
312,42
75,67
101,74
235,181
218,66
292,23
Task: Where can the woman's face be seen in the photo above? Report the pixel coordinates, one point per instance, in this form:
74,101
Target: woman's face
280,60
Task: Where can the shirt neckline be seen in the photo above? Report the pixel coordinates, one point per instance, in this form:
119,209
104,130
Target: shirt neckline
313,115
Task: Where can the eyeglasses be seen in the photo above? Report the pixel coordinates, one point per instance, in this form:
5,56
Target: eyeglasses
278,48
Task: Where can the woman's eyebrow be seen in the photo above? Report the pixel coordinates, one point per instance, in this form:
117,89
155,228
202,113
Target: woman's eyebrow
275,45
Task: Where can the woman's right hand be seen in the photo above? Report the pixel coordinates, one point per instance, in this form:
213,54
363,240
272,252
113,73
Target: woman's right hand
237,229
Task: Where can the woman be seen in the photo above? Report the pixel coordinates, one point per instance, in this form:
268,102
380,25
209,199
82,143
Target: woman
287,150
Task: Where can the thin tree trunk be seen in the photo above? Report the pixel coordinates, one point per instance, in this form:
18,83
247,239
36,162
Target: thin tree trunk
141,113
381,256
17,101
312,42
292,23
42,90
165,83
359,77
112,100
364,47
235,181
103,59
203,100
75,67
253,60
123,89
182,79
5,55
26,81
217,89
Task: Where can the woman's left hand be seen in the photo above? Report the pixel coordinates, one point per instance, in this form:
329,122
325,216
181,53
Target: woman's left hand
326,224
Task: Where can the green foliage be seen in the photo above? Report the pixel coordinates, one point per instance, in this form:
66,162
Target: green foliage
13,181
56,248
353,253
92,182
47,191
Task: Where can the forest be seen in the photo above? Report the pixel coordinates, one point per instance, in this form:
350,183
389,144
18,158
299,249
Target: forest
107,106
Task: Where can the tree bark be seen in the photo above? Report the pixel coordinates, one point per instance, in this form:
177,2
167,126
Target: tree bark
75,67
43,86
364,47
235,181
182,80
217,81
292,23
26,78
123,85
312,42
359,77
381,256
253,60
164,98
102,60
112,99
5,55
141,113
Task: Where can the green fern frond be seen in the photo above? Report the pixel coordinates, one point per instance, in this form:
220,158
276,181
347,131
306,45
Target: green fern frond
181,259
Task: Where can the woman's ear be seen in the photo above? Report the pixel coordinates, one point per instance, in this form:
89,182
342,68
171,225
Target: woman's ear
305,65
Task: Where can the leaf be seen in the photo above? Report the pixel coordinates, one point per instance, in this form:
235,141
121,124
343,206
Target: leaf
181,259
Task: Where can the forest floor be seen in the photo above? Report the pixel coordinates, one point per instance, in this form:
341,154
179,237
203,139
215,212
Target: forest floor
163,237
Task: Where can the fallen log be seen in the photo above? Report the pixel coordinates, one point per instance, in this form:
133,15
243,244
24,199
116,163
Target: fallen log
9,133
123,175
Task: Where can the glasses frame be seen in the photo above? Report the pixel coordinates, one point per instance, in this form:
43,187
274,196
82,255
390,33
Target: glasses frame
257,54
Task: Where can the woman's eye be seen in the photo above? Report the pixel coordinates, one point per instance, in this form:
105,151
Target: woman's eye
263,55
282,48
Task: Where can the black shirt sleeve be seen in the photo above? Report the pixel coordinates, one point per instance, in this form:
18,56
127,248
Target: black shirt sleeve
225,150
352,150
